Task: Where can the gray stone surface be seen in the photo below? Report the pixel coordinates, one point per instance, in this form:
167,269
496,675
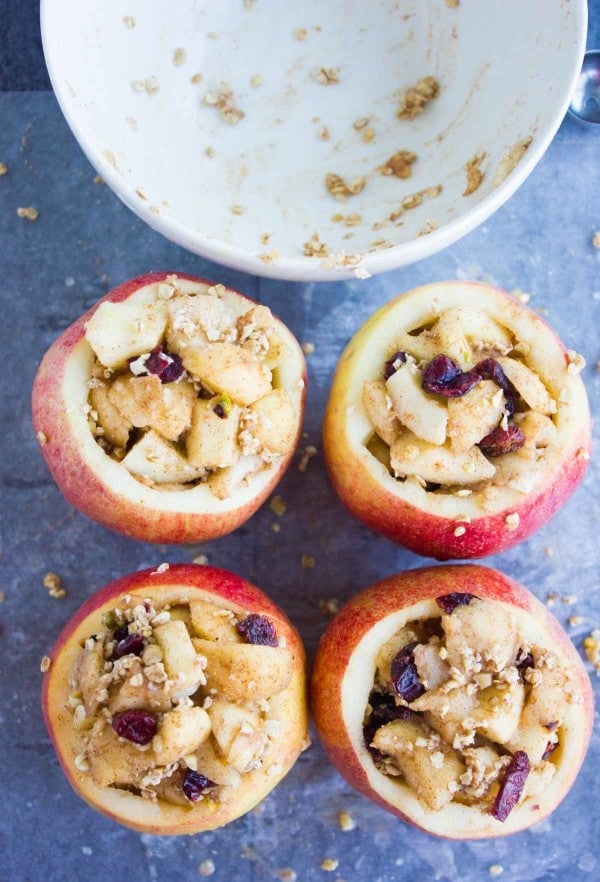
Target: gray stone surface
84,242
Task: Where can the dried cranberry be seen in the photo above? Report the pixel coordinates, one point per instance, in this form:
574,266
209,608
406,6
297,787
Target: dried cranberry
384,709
489,369
257,629
511,786
220,411
442,376
550,748
392,364
501,441
165,365
121,633
524,661
138,726
552,726
195,785
133,644
405,678
449,602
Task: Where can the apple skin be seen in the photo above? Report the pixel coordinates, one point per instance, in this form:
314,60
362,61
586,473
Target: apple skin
339,643
425,533
208,583
82,483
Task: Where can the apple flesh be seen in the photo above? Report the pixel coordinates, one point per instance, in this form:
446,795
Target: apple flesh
204,587
107,490
501,500
345,668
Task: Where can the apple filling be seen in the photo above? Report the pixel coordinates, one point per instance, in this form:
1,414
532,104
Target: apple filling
173,702
464,710
185,387
459,410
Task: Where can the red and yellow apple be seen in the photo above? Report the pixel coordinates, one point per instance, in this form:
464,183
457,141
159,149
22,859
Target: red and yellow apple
346,665
284,715
426,484
100,485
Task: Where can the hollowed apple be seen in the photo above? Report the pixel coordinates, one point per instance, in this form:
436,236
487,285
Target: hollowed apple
171,409
457,423
175,699
452,697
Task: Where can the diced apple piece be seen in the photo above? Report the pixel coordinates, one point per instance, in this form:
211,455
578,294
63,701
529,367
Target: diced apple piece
257,326
531,737
147,402
410,456
212,441
238,733
472,631
273,421
197,320
125,696
446,710
375,401
181,662
225,481
538,780
451,340
230,370
485,765
119,331
154,458
116,426
181,732
416,410
432,772
540,433
432,670
516,472
245,672
423,346
498,710
90,668
528,385
169,789
113,760
480,329
215,767
212,622
472,416
390,650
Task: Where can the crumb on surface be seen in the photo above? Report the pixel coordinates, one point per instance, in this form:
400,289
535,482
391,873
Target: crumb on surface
474,173
45,663
430,226
308,561
349,220
329,864
42,438
270,256
595,237
3,169
28,213
575,362
510,160
512,520
308,348
399,165
346,821
286,874
324,133
460,531
200,559
300,33
307,454
549,551
278,506
256,80
569,599
495,869
591,647
264,238
551,598
150,85
206,868
522,296
209,151
314,247
238,209
327,76
161,568
415,99
329,607
129,21
575,621
224,101
340,188
179,56
54,585
98,179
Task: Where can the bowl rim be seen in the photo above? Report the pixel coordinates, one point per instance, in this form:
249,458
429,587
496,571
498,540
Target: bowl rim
301,268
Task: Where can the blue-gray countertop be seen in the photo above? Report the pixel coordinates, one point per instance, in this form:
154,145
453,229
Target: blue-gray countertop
84,242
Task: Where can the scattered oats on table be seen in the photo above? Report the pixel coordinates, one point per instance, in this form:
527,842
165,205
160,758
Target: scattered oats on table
474,173
324,133
307,454
45,663
29,213
346,821
329,607
591,647
286,874
575,621
129,21
224,101
329,864
495,869
340,188
595,238
264,238
150,85
179,57
2,596
200,559
314,247
197,78
3,169
521,295
415,99
308,348
551,598
300,33
327,76
349,220
161,568
98,179
206,868
210,152
270,257
430,226
278,506
238,209
399,164
308,562
53,583
256,80
42,438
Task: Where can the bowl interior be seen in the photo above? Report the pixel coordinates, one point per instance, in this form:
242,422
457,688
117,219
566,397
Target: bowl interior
134,81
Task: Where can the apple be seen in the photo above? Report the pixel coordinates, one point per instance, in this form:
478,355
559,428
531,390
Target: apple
522,692
148,457
422,467
220,731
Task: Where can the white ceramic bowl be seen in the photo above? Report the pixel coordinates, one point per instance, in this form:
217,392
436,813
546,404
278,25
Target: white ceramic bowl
506,71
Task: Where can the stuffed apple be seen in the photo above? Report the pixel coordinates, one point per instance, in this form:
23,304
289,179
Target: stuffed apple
453,698
171,409
175,699
457,422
